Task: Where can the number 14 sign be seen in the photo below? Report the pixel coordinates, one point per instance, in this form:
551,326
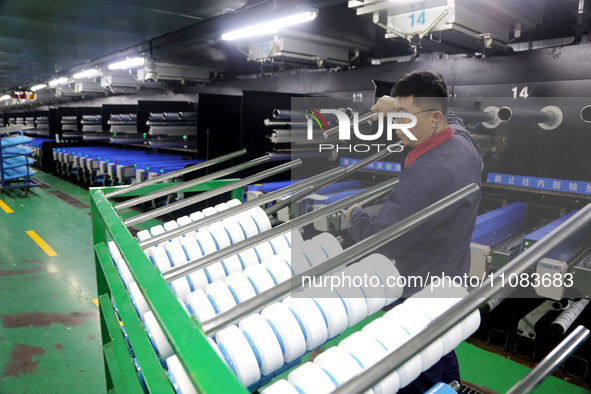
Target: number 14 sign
417,21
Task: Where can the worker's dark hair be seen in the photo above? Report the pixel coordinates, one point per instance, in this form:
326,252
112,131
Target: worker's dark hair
427,88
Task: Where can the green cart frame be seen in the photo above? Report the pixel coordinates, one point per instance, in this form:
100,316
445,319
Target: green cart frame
205,369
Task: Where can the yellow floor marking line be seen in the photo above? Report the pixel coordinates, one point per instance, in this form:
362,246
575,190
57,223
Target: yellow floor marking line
5,207
96,302
42,244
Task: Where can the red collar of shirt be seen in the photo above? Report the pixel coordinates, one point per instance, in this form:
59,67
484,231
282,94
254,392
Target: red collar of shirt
431,143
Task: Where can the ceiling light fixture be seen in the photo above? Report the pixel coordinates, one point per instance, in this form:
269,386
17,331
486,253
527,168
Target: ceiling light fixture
270,27
127,63
59,81
5,97
38,87
93,72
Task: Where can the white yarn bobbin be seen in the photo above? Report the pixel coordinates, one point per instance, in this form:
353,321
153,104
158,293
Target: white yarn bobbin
279,244
411,369
179,375
231,264
183,220
264,342
195,216
313,253
141,236
287,330
233,344
156,230
310,318
339,363
161,260
114,251
414,321
369,351
247,224
470,324
334,314
180,287
190,245
278,268
261,219
215,272
263,250
205,242
248,257
126,276
199,304
295,237
355,304
235,233
329,244
157,336
219,235
221,207
240,286
216,348
233,202
370,285
385,268
175,253
170,225
199,279
184,305
138,299
221,296
259,277
299,262
309,378
281,386
209,211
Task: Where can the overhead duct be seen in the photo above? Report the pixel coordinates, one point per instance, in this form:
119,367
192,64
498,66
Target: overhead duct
454,26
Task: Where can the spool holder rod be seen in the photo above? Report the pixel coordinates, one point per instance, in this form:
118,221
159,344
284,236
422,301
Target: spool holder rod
348,256
174,174
211,193
305,184
462,309
530,381
185,185
348,170
193,265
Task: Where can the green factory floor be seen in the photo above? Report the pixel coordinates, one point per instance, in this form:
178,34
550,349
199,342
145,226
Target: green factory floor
49,327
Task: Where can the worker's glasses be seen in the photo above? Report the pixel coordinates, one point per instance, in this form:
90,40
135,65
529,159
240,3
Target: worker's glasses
405,119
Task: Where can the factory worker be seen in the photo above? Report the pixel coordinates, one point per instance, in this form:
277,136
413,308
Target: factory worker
442,160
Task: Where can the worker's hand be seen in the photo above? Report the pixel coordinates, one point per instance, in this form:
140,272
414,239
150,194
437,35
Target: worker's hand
348,213
384,105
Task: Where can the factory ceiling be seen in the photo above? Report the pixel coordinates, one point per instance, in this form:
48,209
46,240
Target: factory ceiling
40,39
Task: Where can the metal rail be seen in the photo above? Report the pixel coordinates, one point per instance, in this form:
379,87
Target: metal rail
180,271
305,185
350,169
350,255
212,193
462,309
361,120
170,175
550,362
191,183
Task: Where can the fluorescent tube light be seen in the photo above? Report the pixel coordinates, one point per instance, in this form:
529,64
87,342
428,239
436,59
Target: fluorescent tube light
93,72
270,27
5,97
38,87
127,63
59,81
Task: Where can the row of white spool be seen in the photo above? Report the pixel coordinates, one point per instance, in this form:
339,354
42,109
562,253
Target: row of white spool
375,341
284,331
